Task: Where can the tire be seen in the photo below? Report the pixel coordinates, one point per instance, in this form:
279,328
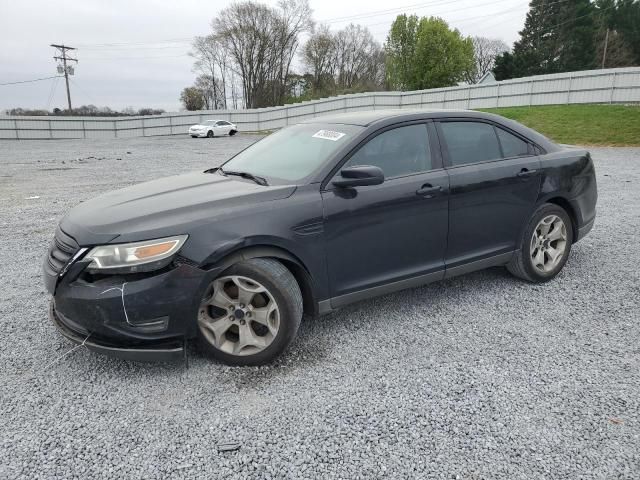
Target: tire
255,333
232,132
210,134
542,257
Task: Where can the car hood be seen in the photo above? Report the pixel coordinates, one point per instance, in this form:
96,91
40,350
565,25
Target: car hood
168,206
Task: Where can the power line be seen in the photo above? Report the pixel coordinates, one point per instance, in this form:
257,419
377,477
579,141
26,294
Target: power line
30,81
54,84
387,11
124,44
182,40
124,57
89,97
460,9
124,48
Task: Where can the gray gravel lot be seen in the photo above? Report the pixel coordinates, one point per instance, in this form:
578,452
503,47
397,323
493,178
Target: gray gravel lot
482,376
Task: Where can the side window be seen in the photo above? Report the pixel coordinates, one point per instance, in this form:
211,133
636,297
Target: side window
219,124
512,146
398,152
470,142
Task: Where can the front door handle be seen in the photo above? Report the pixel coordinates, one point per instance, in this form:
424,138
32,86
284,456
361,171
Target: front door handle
428,190
526,173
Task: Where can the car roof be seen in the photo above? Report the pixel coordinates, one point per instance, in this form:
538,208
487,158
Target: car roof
380,118
369,117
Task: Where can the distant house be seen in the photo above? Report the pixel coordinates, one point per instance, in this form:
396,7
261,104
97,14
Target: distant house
487,78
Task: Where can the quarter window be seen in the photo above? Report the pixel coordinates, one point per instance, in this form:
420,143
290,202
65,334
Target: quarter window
470,142
512,146
398,152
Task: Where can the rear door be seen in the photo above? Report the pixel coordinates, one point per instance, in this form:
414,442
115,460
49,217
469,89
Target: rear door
380,234
222,127
494,179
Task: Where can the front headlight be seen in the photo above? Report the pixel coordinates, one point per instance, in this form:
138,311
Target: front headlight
134,257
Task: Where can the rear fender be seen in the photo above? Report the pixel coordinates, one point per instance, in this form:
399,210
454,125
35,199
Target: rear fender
569,175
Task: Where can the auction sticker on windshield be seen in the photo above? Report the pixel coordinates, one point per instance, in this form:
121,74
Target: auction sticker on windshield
329,135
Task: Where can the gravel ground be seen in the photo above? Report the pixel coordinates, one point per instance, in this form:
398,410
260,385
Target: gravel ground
482,376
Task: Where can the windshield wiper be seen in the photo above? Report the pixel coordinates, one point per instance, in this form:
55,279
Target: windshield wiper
247,175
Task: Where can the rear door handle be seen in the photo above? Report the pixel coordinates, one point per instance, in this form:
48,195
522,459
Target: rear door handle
428,190
526,173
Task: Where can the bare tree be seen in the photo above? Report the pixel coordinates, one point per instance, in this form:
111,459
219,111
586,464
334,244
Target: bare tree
292,19
317,56
212,64
212,91
347,59
261,43
485,51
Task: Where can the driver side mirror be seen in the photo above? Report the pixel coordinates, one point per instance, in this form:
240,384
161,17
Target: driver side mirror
359,176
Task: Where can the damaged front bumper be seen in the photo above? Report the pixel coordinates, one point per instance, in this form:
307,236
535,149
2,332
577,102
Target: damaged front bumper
150,352
143,317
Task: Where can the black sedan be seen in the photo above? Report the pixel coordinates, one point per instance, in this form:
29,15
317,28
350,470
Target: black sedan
315,216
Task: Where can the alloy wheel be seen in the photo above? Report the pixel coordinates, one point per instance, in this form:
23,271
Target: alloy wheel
548,243
239,316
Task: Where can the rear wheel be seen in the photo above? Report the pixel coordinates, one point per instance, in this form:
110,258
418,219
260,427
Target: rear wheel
210,134
545,245
251,313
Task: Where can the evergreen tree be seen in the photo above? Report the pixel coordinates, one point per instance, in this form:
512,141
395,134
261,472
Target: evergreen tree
537,50
626,21
557,37
612,32
576,35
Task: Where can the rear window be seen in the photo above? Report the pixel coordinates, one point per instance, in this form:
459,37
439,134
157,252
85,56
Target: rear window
512,146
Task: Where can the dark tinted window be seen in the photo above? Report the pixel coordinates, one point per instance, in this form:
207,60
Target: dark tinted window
470,142
512,146
398,152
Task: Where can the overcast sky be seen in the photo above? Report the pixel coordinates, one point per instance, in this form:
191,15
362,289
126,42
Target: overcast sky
151,66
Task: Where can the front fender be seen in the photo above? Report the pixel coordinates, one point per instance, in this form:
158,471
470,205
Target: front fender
290,228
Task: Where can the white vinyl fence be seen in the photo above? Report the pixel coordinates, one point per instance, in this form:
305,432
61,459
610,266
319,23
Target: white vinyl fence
618,85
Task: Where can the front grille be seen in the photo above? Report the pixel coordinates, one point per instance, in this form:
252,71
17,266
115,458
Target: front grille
62,249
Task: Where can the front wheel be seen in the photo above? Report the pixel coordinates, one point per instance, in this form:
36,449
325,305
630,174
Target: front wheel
210,134
545,245
251,313
232,133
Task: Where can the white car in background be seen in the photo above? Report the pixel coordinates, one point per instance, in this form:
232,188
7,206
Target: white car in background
213,128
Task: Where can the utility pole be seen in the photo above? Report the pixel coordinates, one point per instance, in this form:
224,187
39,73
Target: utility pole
62,49
606,44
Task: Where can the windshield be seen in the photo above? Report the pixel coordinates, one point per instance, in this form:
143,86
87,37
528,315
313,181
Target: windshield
292,153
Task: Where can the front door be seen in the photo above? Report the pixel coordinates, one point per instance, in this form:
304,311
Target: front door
381,235
495,179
